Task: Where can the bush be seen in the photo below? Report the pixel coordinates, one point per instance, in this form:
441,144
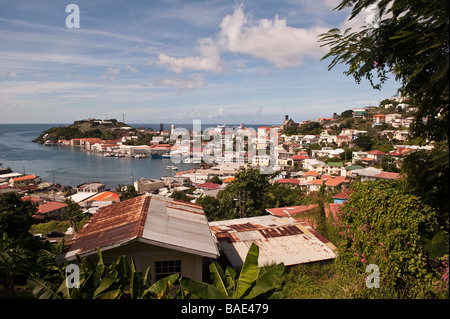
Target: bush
380,225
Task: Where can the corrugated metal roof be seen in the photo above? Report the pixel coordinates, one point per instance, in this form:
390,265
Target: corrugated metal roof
181,225
155,220
279,240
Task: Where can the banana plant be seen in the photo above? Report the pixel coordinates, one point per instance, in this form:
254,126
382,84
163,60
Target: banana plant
250,282
120,280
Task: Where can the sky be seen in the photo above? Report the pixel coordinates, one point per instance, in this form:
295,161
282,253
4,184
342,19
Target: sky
174,61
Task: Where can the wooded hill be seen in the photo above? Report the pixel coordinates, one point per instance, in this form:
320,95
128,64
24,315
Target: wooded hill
89,128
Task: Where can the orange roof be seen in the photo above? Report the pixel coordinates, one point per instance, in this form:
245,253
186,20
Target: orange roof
50,206
316,181
329,181
105,196
333,182
388,175
229,179
23,178
311,173
299,157
376,152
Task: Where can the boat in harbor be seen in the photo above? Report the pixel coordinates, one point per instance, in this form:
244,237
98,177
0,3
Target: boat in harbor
155,155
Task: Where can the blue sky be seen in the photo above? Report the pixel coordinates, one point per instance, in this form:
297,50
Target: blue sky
174,61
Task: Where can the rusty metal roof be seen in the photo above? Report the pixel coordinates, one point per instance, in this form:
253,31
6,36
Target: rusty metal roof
154,220
279,240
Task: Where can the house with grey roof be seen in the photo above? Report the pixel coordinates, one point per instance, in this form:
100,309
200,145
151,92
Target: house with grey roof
167,235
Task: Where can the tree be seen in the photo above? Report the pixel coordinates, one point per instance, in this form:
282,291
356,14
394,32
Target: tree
210,206
388,164
126,191
73,214
216,180
181,195
248,283
13,261
278,195
243,196
15,214
427,174
411,42
364,142
347,113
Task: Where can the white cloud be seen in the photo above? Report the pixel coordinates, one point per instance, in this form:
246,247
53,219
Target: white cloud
10,75
111,73
195,81
209,59
130,69
271,40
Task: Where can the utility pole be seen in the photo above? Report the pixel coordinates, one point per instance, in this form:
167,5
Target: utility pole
53,181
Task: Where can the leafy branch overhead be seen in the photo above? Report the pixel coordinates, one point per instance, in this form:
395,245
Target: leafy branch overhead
411,42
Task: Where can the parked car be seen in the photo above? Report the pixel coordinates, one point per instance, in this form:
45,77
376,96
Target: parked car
55,233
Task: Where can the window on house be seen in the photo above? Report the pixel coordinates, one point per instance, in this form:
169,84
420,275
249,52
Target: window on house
167,268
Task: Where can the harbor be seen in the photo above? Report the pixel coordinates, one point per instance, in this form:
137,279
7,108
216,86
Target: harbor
73,166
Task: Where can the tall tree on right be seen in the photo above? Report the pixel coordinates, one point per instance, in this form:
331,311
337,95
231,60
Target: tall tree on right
410,41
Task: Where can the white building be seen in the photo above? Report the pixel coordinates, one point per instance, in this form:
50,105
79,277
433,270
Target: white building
313,165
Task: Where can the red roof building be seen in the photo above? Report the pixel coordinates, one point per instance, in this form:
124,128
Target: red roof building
21,179
49,210
209,185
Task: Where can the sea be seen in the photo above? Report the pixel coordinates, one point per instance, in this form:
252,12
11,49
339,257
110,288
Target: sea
71,166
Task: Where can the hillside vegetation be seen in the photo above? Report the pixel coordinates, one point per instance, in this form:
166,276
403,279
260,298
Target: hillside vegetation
89,128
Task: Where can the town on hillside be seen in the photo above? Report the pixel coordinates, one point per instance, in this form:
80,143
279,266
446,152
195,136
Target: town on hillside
327,153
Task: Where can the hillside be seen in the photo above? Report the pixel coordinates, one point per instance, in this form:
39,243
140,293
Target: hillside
89,128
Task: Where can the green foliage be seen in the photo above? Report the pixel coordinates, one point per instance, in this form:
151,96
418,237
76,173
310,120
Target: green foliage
15,214
120,280
347,113
427,174
73,214
211,207
126,191
216,180
44,228
364,142
313,281
251,282
242,197
277,195
382,225
13,260
181,195
388,164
